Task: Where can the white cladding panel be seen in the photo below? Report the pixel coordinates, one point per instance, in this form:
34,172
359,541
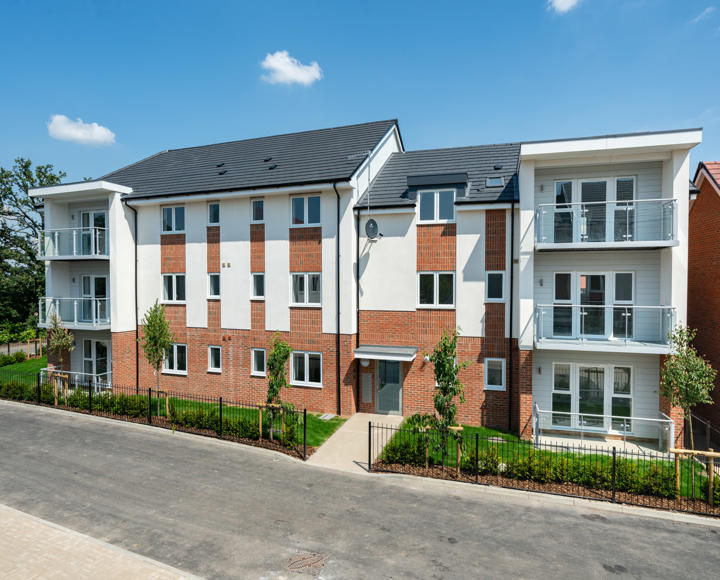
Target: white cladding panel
277,263
235,254
196,264
149,277
645,381
470,272
388,275
328,218
121,284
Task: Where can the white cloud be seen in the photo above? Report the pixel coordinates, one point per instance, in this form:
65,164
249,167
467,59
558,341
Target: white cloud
64,129
562,6
704,14
287,70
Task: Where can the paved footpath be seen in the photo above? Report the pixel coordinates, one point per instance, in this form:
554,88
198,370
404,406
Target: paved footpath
33,548
218,509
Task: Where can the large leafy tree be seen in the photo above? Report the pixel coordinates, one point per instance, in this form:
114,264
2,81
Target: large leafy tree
22,274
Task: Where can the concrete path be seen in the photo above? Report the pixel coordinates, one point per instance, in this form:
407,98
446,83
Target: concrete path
347,448
33,548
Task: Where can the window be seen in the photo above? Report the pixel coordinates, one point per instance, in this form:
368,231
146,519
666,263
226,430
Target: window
173,219
623,311
494,182
306,369
214,359
173,287
305,289
257,211
214,285
258,362
306,211
436,289
258,285
563,220
495,374
562,315
213,214
561,397
495,286
437,206
176,359
622,399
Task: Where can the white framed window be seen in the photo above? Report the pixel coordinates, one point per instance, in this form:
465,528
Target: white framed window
173,219
305,211
305,289
213,285
436,206
214,359
624,287
306,369
214,214
436,289
257,367
258,286
621,400
173,287
257,211
494,374
176,360
495,287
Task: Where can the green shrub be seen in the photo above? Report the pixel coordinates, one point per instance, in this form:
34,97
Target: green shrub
16,391
716,489
19,356
406,448
5,359
243,427
488,462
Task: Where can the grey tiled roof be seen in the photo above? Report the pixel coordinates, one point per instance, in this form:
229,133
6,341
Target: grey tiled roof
300,158
390,187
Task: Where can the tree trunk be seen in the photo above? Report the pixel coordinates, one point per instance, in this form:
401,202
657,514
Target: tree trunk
692,446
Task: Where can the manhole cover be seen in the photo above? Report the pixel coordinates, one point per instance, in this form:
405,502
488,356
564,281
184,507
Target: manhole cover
307,563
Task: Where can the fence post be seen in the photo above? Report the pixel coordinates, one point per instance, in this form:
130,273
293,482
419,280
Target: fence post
221,424
369,446
677,473
260,422
711,478
38,388
614,475
149,405
477,458
304,434
90,393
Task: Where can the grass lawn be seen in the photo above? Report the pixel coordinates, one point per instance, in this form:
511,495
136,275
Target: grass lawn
318,430
24,372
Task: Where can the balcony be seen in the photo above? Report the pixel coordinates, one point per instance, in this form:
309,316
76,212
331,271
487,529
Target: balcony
76,313
645,223
617,328
74,244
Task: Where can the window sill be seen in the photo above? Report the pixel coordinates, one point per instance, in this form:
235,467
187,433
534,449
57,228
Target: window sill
495,301
434,307
173,232
213,225
435,222
305,305
305,225
176,373
491,388
215,371
307,385
174,302
258,375
258,298
254,223
213,297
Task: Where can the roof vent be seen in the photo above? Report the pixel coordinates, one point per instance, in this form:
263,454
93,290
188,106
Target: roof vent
268,158
223,172
498,166
273,166
220,164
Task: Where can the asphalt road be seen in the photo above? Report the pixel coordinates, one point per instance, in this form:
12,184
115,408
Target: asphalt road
224,510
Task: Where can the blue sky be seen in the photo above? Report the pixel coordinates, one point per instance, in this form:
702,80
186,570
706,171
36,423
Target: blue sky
160,75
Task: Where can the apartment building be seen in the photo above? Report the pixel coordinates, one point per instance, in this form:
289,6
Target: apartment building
562,263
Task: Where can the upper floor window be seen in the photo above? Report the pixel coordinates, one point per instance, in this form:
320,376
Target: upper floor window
258,285
214,285
305,289
306,210
257,211
213,214
173,219
495,286
176,359
436,289
173,287
437,206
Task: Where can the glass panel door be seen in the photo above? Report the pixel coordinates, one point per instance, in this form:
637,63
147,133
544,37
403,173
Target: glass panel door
389,387
561,396
563,215
591,396
101,360
99,223
86,307
593,196
624,209
100,293
86,234
592,301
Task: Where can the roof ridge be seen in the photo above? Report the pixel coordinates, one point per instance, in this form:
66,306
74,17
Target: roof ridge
395,121
511,143
131,164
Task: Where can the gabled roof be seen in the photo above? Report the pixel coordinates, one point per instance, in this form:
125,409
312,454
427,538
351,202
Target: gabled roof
392,188
308,157
712,168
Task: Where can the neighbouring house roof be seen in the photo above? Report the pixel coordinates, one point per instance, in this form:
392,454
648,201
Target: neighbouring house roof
693,189
712,168
318,156
466,167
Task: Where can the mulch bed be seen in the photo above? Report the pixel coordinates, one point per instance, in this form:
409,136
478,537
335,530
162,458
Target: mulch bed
570,489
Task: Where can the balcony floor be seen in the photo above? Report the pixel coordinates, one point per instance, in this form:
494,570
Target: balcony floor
594,246
604,444
587,345
79,325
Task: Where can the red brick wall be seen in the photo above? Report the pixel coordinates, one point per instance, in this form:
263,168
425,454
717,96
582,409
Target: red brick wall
495,221
172,253
257,247
704,285
522,400
213,249
305,249
123,358
436,247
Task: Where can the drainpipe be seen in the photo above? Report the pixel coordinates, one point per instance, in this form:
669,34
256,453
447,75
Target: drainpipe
137,336
337,303
512,285
357,303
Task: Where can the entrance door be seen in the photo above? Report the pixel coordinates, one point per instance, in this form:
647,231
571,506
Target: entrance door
593,196
591,396
388,398
95,361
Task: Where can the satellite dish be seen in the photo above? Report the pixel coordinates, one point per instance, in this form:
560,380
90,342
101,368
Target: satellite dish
371,229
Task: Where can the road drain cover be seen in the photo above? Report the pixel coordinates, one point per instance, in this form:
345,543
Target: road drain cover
307,563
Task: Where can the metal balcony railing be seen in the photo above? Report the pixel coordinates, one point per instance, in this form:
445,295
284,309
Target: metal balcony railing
75,312
644,221
73,243
619,322
100,381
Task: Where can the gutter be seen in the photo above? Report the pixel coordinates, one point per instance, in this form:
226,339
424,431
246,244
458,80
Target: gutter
137,335
337,302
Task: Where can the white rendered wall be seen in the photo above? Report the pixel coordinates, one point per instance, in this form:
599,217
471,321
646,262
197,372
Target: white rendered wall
369,169
149,277
470,272
328,218
121,285
235,254
277,263
196,289
526,254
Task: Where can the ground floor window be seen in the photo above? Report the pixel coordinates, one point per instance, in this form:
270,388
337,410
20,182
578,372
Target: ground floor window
306,369
258,362
591,396
176,359
214,359
495,374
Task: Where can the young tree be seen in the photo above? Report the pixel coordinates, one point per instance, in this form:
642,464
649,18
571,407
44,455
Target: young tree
687,379
157,338
444,359
277,379
60,341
